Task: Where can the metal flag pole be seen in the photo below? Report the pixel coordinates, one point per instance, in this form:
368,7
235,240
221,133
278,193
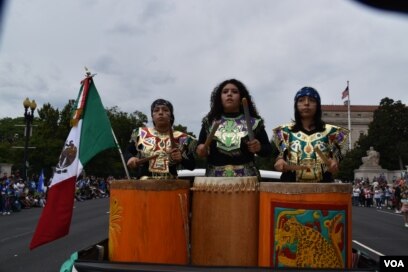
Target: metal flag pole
121,155
348,110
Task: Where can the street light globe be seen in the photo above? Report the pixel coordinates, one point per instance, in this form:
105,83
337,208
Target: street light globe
33,105
26,103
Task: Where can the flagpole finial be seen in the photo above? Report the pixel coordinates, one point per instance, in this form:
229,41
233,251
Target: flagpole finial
88,73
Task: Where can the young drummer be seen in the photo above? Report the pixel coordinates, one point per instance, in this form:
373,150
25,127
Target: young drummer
225,139
309,149
158,151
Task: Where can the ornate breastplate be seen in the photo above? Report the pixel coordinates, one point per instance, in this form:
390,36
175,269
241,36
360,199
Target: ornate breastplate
230,133
299,149
150,143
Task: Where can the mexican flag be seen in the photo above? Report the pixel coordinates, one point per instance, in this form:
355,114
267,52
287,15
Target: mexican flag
91,133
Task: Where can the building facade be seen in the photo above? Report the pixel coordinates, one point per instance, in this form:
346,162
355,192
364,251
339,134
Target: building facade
360,117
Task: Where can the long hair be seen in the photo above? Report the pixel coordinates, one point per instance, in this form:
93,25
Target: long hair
317,120
216,108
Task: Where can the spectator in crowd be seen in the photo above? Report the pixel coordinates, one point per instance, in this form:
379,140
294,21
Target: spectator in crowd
368,195
404,202
397,195
356,194
387,196
377,196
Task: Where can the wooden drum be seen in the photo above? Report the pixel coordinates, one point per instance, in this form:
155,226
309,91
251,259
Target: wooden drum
305,225
148,221
224,225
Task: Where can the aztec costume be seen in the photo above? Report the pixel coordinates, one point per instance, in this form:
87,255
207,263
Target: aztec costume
298,148
228,154
147,142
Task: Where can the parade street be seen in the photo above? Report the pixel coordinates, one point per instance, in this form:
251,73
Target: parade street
374,232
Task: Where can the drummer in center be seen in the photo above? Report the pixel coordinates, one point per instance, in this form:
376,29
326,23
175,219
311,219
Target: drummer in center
309,149
157,152
232,133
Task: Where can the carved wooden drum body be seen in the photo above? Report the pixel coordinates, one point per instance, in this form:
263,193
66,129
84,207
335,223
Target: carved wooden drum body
224,225
148,221
305,225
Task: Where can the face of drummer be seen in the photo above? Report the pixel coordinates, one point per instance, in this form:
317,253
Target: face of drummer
230,98
307,107
161,115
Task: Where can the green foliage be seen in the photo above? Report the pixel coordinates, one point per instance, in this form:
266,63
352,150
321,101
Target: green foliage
351,161
11,136
109,162
183,129
51,127
388,134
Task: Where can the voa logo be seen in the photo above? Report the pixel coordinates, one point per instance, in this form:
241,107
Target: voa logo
394,263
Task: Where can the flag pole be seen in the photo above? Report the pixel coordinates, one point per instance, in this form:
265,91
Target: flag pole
121,155
348,111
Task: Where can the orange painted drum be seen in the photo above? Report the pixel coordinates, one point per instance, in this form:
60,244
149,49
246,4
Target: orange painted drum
148,221
305,225
224,224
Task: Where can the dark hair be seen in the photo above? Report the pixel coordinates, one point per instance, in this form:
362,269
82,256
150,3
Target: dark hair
318,122
216,108
162,102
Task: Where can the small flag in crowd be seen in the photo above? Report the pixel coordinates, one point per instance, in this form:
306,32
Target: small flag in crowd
40,185
345,93
91,133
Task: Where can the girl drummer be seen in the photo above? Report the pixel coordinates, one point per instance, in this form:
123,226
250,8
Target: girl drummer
225,139
310,149
158,151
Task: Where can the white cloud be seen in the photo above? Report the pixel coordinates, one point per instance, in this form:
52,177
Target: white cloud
180,50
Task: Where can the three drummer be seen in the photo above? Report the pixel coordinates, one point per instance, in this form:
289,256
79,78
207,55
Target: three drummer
309,149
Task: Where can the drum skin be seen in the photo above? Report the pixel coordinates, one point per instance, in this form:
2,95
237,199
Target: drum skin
305,225
224,227
148,221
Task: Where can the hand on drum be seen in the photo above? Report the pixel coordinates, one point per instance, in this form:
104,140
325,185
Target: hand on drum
202,150
175,155
133,162
254,146
332,166
280,165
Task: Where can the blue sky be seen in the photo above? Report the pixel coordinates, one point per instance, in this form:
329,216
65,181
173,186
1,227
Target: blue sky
180,50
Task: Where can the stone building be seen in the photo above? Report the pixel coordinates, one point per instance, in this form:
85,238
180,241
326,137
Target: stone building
360,117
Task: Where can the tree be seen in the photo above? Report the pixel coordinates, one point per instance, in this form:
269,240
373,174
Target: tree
11,135
51,128
109,162
388,134
184,129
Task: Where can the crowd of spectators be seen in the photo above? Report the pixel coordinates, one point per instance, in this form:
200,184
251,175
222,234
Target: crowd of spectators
16,195
92,187
378,193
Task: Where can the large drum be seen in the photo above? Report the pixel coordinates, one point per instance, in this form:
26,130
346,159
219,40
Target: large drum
305,225
148,221
224,225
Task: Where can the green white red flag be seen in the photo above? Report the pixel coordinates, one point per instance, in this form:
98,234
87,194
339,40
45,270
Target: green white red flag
91,133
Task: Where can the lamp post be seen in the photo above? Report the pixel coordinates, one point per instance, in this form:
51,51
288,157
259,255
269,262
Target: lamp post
28,116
